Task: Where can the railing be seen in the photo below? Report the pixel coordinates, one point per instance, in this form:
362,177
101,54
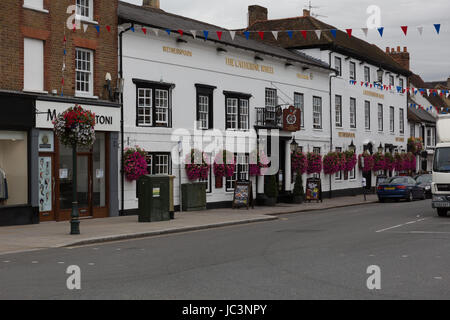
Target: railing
269,117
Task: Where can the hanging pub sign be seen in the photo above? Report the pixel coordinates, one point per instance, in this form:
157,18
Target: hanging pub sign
313,190
243,195
291,119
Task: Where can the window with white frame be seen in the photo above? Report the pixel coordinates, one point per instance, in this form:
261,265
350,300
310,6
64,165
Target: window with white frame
401,83
392,119
205,95
158,163
317,112
84,65
145,103
33,65
367,114
34,4
429,139
380,117
367,74
232,113
208,180
299,103
352,113
391,80
352,174
241,173
338,107
85,9
338,65
338,176
412,129
317,150
162,107
402,121
243,114
237,111
271,103
352,71
203,112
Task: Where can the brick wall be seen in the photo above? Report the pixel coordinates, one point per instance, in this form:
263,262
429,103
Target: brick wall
17,23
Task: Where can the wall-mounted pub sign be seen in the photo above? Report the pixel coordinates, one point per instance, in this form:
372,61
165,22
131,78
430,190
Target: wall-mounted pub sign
291,119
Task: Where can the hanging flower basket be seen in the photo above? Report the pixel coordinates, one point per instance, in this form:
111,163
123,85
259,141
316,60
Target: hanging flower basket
314,163
365,162
197,165
399,162
379,162
299,163
389,162
350,161
135,163
75,127
332,163
415,146
224,164
262,163
411,161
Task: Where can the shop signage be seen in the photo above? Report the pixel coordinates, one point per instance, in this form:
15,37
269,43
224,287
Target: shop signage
347,135
249,65
46,141
243,195
106,118
304,76
178,51
291,119
373,94
399,139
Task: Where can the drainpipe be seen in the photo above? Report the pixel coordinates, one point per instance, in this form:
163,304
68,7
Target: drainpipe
122,138
331,120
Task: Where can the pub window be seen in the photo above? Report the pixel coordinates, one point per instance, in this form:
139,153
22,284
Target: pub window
367,114
339,175
391,80
317,112
352,175
352,113
208,180
352,71
338,65
241,173
402,121
237,111
299,103
338,106
153,104
392,119
317,150
205,117
412,129
158,163
366,74
271,103
380,117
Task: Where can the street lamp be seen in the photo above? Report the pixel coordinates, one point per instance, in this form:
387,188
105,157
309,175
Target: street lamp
352,147
380,148
294,146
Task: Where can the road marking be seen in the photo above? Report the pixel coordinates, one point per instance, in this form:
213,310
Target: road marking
400,225
91,264
61,262
35,262
7,261
437,278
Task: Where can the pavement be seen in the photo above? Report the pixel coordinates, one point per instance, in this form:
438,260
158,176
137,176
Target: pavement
56,234
309,255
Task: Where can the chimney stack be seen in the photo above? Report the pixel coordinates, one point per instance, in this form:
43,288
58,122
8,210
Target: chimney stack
401,57
448,83
256,13
306,13
151,4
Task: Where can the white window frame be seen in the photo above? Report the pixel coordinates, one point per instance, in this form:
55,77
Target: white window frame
271,98
242,172
391,80
208,180
338,176
203,112
380,117
338,66
338,110
81,71
352,113
352,70
162,161
366,74
392,119
79,8
317,113
162,107
429,137
244,114
402,120
367,115
33,70
31,4
232,113
145,107
352,175
299,103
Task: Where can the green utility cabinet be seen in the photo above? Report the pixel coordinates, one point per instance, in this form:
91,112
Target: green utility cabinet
154,198
194,196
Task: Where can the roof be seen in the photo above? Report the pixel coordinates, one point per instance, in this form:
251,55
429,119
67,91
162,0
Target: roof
157,18
351,46
436,84
435,101
419,115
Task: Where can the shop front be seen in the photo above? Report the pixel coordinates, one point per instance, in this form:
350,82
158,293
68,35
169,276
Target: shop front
18,203
97,167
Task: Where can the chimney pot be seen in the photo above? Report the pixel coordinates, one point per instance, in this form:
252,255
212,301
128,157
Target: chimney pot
306,13
392,50
151,3
405,49
256,13
388,49
398,49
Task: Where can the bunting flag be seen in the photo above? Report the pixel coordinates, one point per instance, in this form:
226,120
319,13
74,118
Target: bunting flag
405,29
349,32
85,27
365,30
261,34
438,28
181,32
144,30
97,28
420,29
194,34
318,33
333,32
155,31
206,33
232,35
275,34
290,33
219,34
247,34
303,32
132,29
381,30
168,31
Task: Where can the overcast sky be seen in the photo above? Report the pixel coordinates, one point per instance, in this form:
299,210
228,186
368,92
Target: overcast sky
430,53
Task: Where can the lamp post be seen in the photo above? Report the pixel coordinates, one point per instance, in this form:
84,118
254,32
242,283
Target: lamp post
74,221
380,148
294,145
352,147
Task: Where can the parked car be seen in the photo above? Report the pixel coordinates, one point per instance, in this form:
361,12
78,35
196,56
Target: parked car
425,181
398,188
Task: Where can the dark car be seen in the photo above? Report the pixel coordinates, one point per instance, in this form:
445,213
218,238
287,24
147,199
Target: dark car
425,181
398,188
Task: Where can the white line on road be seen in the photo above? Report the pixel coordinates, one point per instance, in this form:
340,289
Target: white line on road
400,225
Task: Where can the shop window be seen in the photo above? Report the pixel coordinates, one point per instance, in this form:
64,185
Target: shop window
241,173
13,168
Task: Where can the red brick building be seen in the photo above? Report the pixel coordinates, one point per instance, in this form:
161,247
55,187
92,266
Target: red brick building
47,66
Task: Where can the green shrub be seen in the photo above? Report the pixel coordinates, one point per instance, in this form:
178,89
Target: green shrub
298,187
271,187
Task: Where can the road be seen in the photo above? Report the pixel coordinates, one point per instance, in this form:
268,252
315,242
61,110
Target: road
317,255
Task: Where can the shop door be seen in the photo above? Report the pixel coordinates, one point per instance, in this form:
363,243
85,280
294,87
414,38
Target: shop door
84,184
46,187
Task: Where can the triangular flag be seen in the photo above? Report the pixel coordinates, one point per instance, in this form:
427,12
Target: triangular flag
437,27
232,34
247,34
85,27
132,29
428,92
318,33
206,33
365,30
65,39
405,29
194,34
333,32
168,31
275,34
98,29
181,32
144,30
303,33
290,33
219,34
108,28
349,32
156,31
74,27
380,30
420,29
261,34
